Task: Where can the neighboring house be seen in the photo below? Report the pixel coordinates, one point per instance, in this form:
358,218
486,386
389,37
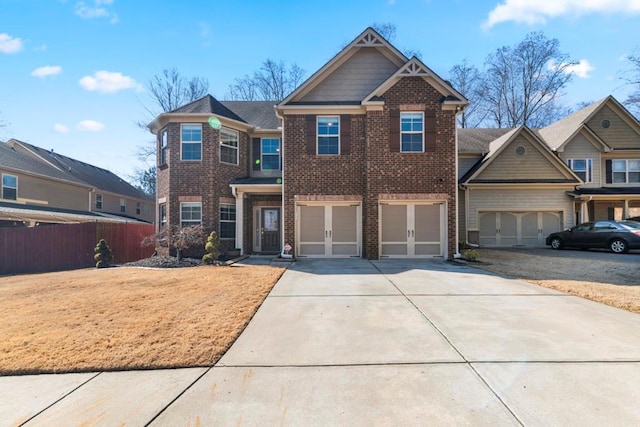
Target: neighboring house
43,187
519,185
360,160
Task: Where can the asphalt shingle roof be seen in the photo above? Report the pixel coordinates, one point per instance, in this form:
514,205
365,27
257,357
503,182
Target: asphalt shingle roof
207,105
258,113
559,132
477,140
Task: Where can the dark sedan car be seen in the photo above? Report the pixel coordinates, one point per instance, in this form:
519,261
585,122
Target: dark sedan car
618,236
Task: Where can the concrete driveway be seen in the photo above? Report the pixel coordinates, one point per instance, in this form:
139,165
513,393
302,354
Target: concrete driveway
356,342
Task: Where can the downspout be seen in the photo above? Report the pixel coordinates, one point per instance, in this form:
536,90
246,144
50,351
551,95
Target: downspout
457,241
282,209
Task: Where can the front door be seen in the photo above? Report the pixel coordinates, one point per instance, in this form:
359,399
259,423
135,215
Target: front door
270,240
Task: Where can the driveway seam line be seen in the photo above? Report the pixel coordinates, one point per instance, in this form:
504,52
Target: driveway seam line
451,344
178,396
58,400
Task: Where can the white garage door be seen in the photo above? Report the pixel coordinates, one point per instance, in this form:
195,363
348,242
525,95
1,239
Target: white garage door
517,228
328,230
411,229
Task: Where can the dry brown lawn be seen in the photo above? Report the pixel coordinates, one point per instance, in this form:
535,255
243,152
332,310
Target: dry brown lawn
614,282
126,318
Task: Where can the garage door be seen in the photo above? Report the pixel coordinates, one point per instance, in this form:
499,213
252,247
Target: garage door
411,229
328,230
517,228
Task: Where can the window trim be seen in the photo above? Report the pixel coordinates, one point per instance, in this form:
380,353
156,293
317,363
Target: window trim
194,222
164,144
262,154
182,143
412,132
162,215
588,172
220,220
99,201
138,208
2,186
123,205
223,144
336,136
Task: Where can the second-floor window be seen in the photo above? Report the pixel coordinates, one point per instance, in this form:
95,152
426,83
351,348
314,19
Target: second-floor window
270,154
411,132
138,208
626,171
9,187
164,143
99,201
328,134
190,214
123,205
191,142
229,146
582,168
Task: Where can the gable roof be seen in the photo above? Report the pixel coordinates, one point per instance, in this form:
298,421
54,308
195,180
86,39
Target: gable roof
98,178
261,114
498,145
14,160
368,38
477,140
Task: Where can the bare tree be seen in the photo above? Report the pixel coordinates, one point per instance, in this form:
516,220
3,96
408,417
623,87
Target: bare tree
633,79
176,238
144,179
388,30
467,79
523,83
272,82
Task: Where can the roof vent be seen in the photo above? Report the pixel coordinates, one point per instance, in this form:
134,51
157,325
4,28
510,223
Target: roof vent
520,150
605,123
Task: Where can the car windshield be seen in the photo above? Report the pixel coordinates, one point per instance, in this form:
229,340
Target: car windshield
631,224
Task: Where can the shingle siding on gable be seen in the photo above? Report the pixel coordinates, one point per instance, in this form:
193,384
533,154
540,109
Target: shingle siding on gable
355,79
618,135
532,165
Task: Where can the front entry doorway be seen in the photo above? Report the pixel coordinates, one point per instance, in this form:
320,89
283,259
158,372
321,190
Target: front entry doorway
268,229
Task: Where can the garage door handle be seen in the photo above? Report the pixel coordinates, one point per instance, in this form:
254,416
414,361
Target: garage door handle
326,233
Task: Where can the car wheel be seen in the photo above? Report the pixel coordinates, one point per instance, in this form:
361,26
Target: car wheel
556,243
619,246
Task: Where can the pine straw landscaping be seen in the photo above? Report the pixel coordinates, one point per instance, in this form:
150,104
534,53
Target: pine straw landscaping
126,318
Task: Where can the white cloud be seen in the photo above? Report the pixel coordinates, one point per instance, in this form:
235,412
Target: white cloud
538,11
47,70
109,82
58,128
10,44
99,9
581,69
90,125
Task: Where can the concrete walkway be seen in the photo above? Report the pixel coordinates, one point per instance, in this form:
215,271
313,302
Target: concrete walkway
354,342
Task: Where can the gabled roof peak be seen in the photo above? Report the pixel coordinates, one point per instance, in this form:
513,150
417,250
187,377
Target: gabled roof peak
370,38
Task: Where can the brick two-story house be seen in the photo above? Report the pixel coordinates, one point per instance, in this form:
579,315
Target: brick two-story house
360,160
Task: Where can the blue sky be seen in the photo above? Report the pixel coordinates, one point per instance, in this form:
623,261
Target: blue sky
73,72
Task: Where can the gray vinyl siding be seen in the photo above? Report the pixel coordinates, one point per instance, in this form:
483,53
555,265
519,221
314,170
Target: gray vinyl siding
462,218
532,165
465,164
356,78
581,148
619,134
533,200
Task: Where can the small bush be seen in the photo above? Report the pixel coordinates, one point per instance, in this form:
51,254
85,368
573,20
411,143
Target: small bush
103,255
212,247
470,254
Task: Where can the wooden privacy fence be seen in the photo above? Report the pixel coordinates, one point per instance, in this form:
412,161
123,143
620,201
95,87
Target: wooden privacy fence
69,246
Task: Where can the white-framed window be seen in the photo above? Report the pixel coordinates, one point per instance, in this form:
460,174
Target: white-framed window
99,201
229,146
227,221
191,141
412,132
162,213
190,214
582,167
328,134
123,205
9,187
138,208
270,152
164,143
626,171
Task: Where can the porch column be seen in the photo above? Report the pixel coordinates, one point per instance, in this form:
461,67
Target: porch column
240,221
584,212
625,209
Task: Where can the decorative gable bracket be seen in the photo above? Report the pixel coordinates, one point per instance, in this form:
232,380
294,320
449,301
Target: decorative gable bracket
369,39
414,69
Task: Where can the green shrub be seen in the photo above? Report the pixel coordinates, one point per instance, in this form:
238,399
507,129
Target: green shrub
212,247
103,255
470,254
